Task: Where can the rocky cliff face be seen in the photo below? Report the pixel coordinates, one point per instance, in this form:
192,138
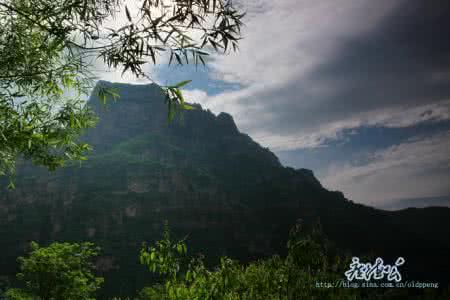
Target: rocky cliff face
210,181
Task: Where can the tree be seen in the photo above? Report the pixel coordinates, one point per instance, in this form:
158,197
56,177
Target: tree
59,271
165,257
45,50
307,272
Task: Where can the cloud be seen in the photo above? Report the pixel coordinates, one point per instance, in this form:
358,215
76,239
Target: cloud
310,70
417,168
195,96
101,71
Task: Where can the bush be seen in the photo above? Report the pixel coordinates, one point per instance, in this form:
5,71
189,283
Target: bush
59,271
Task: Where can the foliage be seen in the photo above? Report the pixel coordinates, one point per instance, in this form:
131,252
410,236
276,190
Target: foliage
62,271
45,50
18,294
59,271
35,132
293,277
164,258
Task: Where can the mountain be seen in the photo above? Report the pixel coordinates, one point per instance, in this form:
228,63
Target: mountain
443,201
211,182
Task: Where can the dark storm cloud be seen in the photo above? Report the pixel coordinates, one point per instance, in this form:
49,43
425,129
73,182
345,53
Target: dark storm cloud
404,62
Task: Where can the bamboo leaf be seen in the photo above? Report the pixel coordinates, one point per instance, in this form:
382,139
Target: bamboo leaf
182,83
127,12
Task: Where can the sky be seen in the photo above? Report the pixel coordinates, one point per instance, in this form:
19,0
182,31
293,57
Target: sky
356,90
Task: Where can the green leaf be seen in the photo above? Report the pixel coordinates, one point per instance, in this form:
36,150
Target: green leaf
182,83
179,95
11,185
171,111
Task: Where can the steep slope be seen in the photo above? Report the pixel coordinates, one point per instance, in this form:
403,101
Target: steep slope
208,180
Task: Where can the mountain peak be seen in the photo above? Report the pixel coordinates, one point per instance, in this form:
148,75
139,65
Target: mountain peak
227,121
